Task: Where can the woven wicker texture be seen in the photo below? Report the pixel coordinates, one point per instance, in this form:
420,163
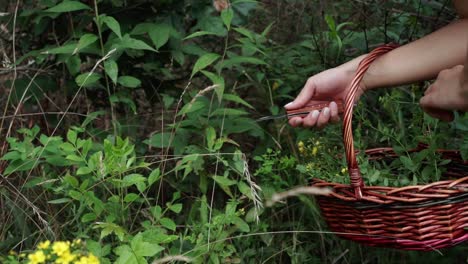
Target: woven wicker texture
424,217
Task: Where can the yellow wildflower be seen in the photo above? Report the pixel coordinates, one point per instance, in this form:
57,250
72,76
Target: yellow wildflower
300,144
90,259
60,247
65,258
37,258
12,253
314,151
44,245
344,170
76,242
275,86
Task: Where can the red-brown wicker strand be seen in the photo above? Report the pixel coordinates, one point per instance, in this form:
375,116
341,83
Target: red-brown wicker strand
422,217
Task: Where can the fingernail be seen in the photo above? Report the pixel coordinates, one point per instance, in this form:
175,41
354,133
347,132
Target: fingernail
315,114
297,122
333,104
326,111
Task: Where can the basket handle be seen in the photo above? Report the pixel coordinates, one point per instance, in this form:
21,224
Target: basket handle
353,169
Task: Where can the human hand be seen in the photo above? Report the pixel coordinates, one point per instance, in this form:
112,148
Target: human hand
330,85
448,93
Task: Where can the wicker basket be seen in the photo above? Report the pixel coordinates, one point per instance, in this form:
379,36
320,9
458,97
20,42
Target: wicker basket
423,217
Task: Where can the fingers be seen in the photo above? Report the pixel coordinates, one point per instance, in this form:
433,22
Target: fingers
428,104
295,121
304,96
311,119
334,117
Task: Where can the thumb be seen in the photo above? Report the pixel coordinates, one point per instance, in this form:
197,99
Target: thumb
304,96
431,108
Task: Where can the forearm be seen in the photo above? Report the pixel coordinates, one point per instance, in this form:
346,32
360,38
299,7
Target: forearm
420,60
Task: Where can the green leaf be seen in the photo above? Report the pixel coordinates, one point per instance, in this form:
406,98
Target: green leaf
198,34
154,176
142,248
129,81
83,171
245,189
68,6
237,99
210,137
168,223
237,61
65,49
223,181
203,62
191,107
112,69
85,40
160,140
72,136
87,79
60,201
88,217
159,34
130,43
227,15
219,81
246,33
112,24
408,163
228,112
131,197
176,208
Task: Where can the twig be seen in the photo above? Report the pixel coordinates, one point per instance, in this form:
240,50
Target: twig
277,197
172,259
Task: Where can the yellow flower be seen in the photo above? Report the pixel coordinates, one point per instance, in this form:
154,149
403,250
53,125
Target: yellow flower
76,242
90,259
44,245
317,142
344,170
65,258
300,144
60,247
37,257
275,86
314,151
12,253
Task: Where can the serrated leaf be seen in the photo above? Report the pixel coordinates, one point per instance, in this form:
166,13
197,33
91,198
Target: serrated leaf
112,24
168,223
143,248
112,69
129,81
85,40
203,62
68,6
176,208
159,34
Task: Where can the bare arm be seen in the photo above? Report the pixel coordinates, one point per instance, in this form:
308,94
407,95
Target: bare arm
420,60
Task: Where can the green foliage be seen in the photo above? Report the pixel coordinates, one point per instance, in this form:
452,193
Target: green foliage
164,159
